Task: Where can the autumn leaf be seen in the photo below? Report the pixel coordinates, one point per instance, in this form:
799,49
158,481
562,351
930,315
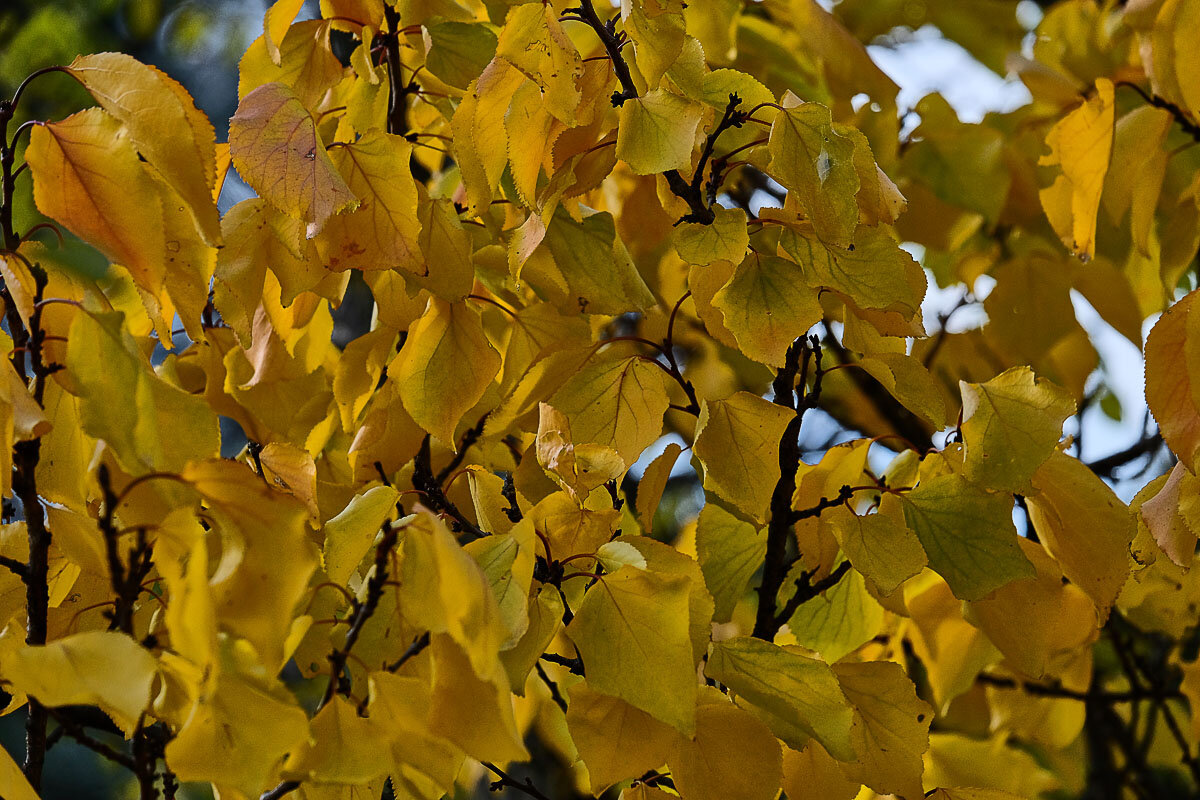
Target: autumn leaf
275,148
1081,145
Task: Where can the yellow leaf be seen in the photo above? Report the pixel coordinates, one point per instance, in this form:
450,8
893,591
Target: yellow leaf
271,534
880,546
473,712
1066,618
275,148
993,764
1010,426
812,774
616,741
149,424
871,269
767,306
507,560
1172,390
731,755
293,470
342,747
1135,177
1081,145
617,404
349,535
444,266
307,64
445,366
382,233
545,618
657,131
952,650
181,555
444,590
533,41
237,734
1085,526
85,173
256,237
891,727
103,668
653,482
632,633
402,706
163,123
586,268
580,469
737,441
726,239
816,162
358,371
480,142
16,787
797,696
908,380
276,21
973,794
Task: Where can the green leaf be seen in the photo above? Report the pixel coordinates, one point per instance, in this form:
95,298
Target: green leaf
797,696
968,534
730,552
460,51
149,424
657,131
1010,427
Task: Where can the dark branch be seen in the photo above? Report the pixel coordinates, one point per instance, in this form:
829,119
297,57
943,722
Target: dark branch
555,694
1091,695
807,590
1185,122
414,649
506,780
435,497
14,566
1106,466
780,526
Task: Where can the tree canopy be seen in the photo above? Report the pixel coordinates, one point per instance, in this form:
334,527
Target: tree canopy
660,465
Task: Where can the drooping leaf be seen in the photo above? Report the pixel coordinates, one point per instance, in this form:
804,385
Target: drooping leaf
632,633
816,162
445,366
1081,145
85,171
163,123
737,441
797,696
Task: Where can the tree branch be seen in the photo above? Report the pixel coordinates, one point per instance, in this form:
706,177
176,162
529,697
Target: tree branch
506,780
780,526
435,497
1061,692
806,590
